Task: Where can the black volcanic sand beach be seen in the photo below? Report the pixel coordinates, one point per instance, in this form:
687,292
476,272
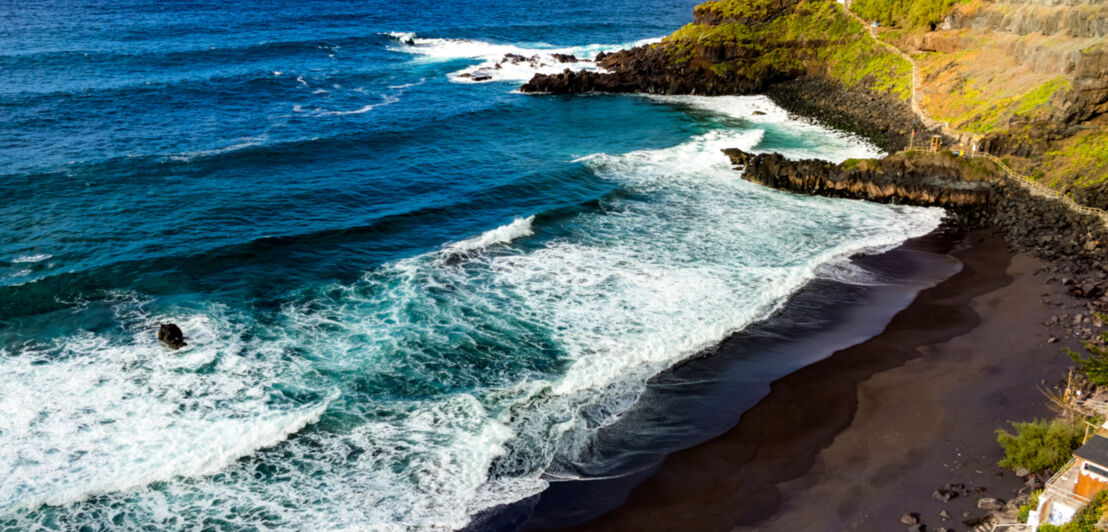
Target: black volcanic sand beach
854,440
704,397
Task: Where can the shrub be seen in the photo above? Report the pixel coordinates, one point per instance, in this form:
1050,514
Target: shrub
903,13
1039,445
1025,510
1095,367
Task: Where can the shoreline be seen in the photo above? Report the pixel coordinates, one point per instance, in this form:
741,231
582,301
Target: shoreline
706,395
804,457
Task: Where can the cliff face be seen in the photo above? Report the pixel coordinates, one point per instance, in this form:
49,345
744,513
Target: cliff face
922,179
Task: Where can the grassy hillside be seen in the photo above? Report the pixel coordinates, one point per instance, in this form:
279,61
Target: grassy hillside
979,80
911,14
756,37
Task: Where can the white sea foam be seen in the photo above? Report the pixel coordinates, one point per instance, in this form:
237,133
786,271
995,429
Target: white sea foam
519,227
88,417
28,259
461,383
830,144
494,66
386,99
244,143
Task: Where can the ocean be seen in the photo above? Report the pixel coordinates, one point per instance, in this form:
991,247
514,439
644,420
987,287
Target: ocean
411,293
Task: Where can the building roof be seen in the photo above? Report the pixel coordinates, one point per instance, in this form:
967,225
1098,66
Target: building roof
1095,450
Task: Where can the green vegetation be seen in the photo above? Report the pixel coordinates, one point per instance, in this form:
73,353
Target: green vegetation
978,111
1095,367
1084,520
1081,159
904,13
1025,510
1039,445
740,11
755,39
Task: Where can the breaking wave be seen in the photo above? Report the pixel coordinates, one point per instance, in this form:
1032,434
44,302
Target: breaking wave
505,62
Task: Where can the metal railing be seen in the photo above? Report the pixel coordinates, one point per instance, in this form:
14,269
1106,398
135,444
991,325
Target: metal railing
1039,187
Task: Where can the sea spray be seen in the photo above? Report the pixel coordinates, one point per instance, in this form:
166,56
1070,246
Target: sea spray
505,62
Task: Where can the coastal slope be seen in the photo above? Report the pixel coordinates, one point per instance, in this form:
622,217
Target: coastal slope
1020,80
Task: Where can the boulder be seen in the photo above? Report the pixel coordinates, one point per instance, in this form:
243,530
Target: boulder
989,503
909,519
170,335
564,58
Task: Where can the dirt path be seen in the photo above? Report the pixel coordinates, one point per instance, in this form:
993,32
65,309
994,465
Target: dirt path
1023,181
927,120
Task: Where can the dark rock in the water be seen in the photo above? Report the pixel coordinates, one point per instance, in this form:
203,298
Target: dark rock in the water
909,519
170,334
564,58
479,75
514,59
758,113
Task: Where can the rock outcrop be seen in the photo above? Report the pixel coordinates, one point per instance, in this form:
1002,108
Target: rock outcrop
922,179
170,335
976,196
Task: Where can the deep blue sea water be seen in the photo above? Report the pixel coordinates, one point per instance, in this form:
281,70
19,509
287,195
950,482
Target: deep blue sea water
409,296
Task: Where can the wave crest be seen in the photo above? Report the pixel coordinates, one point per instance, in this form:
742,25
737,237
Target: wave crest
520,227
505,62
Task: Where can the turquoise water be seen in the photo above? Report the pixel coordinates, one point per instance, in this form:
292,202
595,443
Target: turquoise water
408,296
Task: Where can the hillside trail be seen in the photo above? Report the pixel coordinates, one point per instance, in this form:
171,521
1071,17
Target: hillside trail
1031,185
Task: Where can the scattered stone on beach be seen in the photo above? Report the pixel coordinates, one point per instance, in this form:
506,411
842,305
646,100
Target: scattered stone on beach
989,503
950,491
1051,340
170,335
975,521
909,519
943,495
918,527
1023,471
944,514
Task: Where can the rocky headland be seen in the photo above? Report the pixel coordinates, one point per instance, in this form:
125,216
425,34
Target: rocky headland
975,195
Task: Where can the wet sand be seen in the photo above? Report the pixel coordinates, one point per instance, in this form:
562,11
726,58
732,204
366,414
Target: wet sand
855,440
